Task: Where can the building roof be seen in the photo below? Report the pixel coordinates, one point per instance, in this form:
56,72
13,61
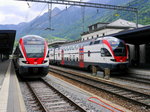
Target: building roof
124,23
118,24
135,36
7,38
98,23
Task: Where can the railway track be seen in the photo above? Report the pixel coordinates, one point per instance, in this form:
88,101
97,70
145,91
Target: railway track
42,97
112,88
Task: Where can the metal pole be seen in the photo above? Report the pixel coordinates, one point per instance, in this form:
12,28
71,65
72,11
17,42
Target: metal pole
50,13
83,13
137,19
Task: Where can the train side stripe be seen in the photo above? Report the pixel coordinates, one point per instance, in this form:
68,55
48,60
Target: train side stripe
22,49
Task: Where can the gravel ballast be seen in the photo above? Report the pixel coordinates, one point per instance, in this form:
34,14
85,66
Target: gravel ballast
107,96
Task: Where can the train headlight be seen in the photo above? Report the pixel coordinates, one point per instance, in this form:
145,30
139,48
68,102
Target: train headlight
26,62
45,61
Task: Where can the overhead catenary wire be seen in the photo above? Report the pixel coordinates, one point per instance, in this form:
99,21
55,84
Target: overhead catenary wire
57,14
83,14
49,17
80,25
39,14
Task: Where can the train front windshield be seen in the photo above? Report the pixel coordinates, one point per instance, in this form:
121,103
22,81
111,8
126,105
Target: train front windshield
118,47
34,49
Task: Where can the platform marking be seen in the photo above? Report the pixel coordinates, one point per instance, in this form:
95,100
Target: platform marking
20,97
5,91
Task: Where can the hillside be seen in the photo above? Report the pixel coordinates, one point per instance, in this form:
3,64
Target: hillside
68,23
143,7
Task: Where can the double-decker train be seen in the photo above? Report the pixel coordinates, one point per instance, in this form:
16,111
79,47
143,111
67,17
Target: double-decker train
106,52
31,57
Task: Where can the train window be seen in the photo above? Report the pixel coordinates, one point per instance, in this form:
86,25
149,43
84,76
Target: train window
97,42
36,51
20,55
105,53
73,57
77,59
89,53
47,54
91,43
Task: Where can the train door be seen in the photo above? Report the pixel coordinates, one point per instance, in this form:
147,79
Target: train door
81,57
102,52
62,57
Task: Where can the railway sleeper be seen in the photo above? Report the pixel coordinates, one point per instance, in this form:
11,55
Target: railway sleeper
139,98
146,101
119,91
62,108
124,93
131,96
56,103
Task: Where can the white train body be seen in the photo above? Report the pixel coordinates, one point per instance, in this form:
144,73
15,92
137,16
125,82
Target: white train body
106,52
31,56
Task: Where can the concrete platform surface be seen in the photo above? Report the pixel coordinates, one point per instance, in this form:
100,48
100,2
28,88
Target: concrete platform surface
140,71
11,99
3,69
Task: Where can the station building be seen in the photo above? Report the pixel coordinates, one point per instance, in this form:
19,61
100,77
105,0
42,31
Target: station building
101,29
136,38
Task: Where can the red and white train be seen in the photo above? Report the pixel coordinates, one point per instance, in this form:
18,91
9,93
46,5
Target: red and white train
31,56
106,52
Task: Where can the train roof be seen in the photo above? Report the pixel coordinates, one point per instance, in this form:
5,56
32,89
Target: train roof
30,36
87,42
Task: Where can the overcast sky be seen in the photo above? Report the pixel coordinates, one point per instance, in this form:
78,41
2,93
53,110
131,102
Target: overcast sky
14,12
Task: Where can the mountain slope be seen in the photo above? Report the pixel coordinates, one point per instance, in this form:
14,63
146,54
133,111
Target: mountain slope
143,13
68,23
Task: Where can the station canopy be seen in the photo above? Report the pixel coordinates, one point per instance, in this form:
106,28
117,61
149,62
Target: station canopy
136,36
7,38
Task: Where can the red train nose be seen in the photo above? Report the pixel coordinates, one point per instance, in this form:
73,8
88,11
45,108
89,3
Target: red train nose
120,59
35,61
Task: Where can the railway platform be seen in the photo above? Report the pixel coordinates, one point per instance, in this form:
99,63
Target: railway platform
10,95
140,71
